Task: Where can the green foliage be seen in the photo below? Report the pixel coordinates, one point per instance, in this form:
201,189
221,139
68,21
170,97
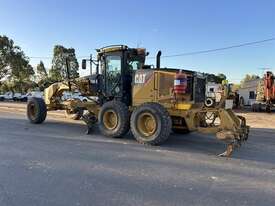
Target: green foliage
216,78
5,87
15,70
41,72
249,77
44,83
17,86
6,47
221,77
58,71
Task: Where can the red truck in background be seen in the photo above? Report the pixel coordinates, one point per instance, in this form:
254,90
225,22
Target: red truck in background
265,99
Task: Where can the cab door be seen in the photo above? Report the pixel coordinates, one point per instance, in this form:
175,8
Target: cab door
112,75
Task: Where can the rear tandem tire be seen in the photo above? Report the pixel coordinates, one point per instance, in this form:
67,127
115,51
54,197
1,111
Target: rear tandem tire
113,119
36,110
151,124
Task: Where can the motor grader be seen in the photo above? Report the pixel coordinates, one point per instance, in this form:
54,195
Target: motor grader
125,94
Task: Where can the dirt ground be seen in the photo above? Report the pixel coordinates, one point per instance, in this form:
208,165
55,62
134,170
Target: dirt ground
259,119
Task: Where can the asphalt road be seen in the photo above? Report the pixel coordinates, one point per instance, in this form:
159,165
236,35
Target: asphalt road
55,163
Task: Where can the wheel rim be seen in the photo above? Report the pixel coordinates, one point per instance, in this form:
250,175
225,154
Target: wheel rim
110,119
147,124
32,110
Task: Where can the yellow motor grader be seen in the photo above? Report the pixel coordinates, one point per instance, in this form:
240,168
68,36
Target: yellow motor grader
125,94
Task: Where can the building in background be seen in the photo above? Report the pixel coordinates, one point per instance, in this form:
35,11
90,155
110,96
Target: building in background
247,92
213,90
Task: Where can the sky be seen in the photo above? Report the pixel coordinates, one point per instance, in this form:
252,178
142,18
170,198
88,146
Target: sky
173,26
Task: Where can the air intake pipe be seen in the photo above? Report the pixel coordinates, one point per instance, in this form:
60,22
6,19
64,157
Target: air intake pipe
158,59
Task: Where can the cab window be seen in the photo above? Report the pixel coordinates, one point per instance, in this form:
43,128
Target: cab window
134,65
113,64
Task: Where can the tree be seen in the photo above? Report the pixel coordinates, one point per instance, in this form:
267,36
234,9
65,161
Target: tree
14,64
221,77
41,72
216,78
58,72
5,87
249,77
6,50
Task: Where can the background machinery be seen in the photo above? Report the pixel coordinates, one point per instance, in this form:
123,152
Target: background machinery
151,102
265,98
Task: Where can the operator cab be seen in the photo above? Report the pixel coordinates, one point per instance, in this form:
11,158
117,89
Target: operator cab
115,67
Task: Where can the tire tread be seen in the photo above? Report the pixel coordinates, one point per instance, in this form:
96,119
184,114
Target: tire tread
123,113
42,110
166,123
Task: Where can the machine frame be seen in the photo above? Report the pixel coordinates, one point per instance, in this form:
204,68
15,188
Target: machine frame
142,99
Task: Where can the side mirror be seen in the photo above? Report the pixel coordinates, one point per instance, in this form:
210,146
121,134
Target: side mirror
84,62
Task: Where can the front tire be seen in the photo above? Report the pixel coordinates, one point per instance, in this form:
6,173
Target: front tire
151,124
113,119
36,110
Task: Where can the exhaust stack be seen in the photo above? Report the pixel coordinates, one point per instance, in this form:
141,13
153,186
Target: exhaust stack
158,59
